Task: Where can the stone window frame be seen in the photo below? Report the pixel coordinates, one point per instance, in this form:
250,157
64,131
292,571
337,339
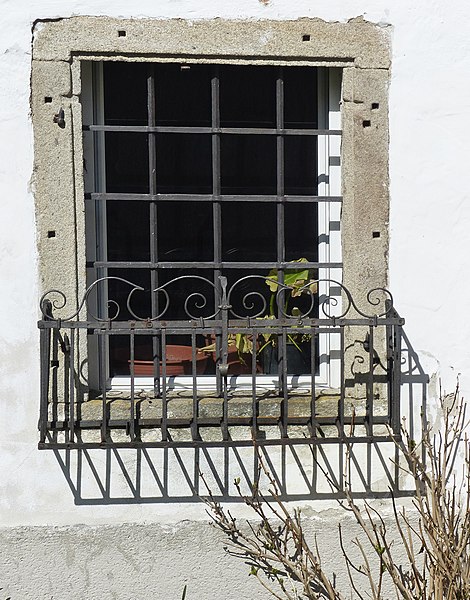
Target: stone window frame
361,49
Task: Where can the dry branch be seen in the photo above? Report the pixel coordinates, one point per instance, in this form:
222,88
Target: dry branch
435,534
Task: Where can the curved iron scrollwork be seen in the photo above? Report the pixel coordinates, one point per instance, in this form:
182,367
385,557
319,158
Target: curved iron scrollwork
47,302
194,301
321,298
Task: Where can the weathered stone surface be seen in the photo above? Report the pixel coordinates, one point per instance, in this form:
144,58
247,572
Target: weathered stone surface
365,215
358,41
119,410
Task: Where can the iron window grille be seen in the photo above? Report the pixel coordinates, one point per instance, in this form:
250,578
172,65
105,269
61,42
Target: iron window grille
278,414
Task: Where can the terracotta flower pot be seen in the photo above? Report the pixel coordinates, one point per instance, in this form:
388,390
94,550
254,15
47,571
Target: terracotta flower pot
178,362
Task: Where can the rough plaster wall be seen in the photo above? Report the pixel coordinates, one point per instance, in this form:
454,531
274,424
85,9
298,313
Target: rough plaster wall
145,562
430,219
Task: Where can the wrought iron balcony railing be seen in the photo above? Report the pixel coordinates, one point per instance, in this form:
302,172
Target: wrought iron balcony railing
219,365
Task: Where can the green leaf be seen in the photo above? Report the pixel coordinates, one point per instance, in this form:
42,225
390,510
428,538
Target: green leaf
296,279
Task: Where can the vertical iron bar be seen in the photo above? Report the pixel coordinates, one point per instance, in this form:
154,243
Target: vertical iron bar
45,352
389,357
104,423
281,251
216,206
54,381
254,398
101,232
340,422
370,385
64,344
285,397
280,165
217,359
370,408
223,366
313,399
152,149
342,385
194,422
132,370
409,370
164,398
395,400
72,387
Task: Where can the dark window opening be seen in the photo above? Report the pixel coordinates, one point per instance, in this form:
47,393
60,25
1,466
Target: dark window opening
206,170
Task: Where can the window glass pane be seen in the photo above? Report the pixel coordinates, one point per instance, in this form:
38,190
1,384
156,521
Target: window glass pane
184,163
300,162
248,96
248,164
127,167
301,225
185,231
128,230
300,98
249,231
183,95
120,106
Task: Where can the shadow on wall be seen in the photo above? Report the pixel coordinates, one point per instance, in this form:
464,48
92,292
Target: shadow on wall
302,471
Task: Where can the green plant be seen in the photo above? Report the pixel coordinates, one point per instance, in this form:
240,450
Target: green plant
300,281
296,282
435,534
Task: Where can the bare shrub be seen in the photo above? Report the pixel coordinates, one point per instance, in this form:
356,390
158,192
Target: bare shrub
435,533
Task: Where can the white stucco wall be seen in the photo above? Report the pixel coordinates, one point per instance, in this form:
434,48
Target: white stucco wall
429,248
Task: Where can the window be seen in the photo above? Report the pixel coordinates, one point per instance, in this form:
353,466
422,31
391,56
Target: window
208,171
199,168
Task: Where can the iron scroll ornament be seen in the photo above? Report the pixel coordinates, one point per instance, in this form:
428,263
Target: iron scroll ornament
253,301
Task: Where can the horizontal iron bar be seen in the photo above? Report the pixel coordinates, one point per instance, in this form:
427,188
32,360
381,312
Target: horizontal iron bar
211,197
148,327
212,265
223,130
215,422
311,441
